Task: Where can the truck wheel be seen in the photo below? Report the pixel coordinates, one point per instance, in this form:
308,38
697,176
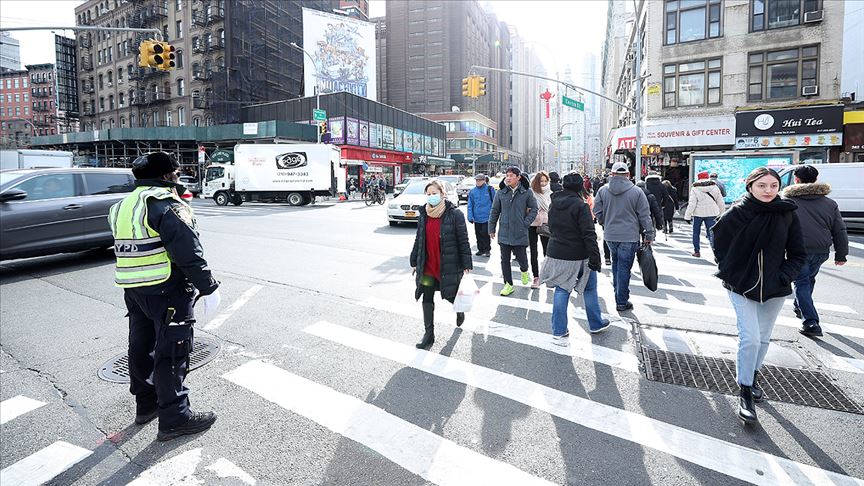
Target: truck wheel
295,199
237,200
307,199
221,199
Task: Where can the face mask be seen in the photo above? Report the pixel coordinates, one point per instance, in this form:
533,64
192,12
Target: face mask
433,199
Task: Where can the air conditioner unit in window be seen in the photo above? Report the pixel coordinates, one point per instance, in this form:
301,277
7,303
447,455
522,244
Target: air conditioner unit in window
810,91
815,16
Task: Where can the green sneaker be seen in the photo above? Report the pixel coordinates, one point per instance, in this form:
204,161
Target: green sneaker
525,278
507,290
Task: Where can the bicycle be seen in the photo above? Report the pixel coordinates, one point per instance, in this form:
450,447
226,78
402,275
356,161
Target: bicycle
375,195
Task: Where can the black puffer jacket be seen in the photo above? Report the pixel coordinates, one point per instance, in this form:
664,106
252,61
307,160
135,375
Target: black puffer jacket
572,227
821,223
758,247
455,251
671,203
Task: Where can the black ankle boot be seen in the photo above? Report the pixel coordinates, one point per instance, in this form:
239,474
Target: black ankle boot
429,323
460,318
758,395
746,409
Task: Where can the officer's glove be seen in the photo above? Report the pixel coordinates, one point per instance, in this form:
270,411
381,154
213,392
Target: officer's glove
210,303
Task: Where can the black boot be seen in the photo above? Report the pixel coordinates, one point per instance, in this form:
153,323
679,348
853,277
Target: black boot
460,318
429,323
746,409
758,395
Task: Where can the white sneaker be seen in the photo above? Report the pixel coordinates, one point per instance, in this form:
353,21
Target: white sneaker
562,340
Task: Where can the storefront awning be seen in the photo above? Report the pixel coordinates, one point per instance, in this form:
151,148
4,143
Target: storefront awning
373,156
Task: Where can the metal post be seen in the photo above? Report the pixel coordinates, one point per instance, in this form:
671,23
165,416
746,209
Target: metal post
558,128
637,72
317,100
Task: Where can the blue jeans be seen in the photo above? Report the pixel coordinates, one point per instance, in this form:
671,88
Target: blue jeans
804,284
697,228
755,322
561,300
623,255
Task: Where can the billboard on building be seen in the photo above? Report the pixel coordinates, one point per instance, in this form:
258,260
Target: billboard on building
343,51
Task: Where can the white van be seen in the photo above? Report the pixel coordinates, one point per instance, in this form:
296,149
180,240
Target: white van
847,188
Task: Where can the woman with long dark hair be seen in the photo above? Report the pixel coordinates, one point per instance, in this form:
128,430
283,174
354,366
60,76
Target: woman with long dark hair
441,255
759,251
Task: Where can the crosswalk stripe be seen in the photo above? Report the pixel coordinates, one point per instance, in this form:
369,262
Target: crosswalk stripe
217,321
859,246
579,344
17,406
44,465
419,451
179,468
709,452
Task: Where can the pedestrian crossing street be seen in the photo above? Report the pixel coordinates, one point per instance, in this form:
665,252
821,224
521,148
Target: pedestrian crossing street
523,320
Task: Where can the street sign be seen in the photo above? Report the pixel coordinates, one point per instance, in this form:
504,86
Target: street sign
573,103
319,115
565,138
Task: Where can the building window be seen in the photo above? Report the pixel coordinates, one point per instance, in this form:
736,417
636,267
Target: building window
122,101
26,110
196,121
132,120
181,116
178,5
110,78
101,103
692,20
168,118
110,54
695,83
120,75
181,87
782,74
179,29
111,123
101,84
122,121
26,97
780,13
110,102
178,59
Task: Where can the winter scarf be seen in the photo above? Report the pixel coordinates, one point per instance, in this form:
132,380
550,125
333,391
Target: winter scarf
435,211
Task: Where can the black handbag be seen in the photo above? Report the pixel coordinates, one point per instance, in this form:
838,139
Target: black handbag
648,267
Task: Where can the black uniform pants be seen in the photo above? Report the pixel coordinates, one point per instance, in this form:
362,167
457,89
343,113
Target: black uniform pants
484,241
160,340
533,236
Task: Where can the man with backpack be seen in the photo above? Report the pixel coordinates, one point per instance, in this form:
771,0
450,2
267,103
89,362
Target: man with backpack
479,206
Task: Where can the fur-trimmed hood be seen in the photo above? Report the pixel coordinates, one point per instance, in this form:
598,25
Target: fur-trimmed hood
704,182
812,189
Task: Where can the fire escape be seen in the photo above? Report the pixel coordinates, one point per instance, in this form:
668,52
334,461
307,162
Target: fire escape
205,43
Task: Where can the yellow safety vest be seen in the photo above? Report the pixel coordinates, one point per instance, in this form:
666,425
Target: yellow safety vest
141,256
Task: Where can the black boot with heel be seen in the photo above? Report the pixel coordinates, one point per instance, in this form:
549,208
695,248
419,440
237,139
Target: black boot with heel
460,318
746,408
429,323
758,396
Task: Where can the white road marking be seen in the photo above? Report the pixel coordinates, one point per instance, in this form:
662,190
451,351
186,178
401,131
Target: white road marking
419,451
580,345
44,465
17,406
859,246
217,321
177,471
227,469
709,452
842,363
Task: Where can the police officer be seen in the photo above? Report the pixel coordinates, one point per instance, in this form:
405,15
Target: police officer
160,264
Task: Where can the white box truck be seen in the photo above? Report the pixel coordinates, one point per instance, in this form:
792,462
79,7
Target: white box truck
292,173
31,159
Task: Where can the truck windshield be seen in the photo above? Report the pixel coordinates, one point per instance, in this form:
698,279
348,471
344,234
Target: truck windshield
215,173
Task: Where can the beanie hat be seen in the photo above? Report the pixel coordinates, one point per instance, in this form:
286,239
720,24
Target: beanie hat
154,165
702,175
573,182
554,177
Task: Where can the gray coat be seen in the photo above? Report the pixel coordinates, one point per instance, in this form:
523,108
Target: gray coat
821,223
622,209
516,210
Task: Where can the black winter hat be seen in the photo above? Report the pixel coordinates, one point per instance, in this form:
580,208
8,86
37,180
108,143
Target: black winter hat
573,182
154,165
554,177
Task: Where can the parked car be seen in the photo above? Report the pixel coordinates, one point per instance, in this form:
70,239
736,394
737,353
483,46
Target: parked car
405,208
465,187
191,183
47,211
398,188
452,179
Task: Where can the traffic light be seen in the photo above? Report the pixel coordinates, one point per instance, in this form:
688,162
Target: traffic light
468,87
479,86
650,149
150,54
322,128
167,56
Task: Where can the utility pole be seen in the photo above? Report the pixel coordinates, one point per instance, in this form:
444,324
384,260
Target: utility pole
558,128
637,72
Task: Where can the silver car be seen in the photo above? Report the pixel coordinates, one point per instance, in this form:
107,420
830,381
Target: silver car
47,211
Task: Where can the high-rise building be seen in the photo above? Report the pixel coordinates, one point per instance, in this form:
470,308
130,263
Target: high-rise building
68,115
526,123
355,8
10,53
228,54
16,115
704,62
381,55
43,91
432,45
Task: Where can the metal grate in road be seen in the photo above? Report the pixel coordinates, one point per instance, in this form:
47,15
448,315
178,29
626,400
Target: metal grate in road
116,369
791,385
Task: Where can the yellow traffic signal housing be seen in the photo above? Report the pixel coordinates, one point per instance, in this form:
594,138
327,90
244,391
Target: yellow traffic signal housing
479,86
167,56
322,128
150,54
467,87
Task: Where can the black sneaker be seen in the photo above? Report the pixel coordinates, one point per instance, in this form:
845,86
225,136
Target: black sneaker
479,253
145,418
625,307
198,422
797,312
811,331
608,262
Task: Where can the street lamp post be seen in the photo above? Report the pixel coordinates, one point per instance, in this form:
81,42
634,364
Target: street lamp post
317,78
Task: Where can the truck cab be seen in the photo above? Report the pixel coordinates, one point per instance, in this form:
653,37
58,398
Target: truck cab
219,185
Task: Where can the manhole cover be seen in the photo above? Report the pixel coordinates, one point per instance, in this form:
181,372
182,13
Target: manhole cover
801,387
116,369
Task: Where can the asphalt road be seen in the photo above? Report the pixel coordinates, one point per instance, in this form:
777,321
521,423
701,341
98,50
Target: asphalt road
318,381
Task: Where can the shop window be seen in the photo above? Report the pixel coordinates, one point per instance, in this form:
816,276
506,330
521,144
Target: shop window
775,14
782,74
692,20
695,83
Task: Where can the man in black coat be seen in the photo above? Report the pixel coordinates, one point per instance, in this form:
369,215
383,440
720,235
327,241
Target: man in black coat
821,227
